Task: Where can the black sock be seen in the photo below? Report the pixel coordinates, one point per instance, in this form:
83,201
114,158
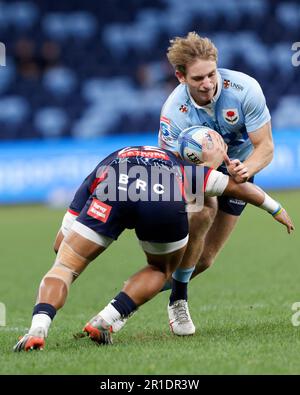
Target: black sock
124,304
44,308
179,291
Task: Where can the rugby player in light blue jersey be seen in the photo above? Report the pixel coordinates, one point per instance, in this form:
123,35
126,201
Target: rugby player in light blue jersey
233,104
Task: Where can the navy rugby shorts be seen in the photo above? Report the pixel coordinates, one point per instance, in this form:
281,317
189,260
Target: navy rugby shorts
153,221
231,205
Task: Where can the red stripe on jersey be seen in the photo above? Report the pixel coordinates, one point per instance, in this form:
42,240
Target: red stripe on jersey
97,181
73,212
165,119
206,178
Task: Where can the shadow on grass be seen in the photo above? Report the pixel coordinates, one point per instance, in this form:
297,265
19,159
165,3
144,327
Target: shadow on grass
263,331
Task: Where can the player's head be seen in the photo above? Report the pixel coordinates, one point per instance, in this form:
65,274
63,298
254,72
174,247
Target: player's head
195,61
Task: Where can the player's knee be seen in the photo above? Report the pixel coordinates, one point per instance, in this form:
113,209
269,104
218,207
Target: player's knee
205,262
68,265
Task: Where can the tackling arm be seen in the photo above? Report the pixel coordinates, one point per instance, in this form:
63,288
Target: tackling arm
217,184
252,194
262,154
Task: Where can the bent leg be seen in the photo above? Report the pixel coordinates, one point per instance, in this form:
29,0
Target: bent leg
199,224
74,254
212,241
138,289
146,283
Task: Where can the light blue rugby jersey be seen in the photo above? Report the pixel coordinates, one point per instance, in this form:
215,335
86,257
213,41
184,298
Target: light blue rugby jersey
238,108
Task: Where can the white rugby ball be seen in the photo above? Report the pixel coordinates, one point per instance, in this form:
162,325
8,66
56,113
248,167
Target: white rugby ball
190,142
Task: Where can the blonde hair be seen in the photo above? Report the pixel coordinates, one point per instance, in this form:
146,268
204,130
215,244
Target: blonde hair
185,50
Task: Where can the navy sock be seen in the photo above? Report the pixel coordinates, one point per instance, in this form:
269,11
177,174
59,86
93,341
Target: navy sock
167,286
44,308
124,304
179,291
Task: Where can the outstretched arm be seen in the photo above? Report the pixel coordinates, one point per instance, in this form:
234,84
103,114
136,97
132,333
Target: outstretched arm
220,184
252,194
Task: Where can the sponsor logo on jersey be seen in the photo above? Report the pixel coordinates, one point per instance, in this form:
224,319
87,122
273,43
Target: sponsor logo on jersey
231,115
183,108
99,210
145,151
165,128
227,84
237,86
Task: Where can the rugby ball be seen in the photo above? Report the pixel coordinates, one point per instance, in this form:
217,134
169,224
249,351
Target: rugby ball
190,142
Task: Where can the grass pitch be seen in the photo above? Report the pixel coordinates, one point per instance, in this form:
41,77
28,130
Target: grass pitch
242,306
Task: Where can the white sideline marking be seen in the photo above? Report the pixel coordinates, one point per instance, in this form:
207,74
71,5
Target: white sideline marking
8,329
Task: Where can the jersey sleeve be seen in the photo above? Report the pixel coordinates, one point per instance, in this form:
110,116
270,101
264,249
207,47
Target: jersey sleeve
168,134
215,182
254,107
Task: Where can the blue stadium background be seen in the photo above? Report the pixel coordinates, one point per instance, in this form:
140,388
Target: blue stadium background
85,77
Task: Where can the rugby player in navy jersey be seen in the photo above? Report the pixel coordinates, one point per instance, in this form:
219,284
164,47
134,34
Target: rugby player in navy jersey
141,188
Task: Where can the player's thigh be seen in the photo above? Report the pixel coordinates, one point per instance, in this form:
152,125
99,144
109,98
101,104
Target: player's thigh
219,233
99,223
230,210
84,247
200,221
96,227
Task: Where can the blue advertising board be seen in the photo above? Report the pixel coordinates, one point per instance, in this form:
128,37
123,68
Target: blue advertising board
50,171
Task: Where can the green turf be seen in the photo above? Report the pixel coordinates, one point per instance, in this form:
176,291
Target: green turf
241,306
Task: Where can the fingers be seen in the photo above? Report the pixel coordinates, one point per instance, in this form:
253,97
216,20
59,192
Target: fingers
213,149
217,140
204,144
243,173
227,160
235,162
240,168
237,170
289,224
284,219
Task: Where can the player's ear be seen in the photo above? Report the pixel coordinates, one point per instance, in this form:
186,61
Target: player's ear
180,76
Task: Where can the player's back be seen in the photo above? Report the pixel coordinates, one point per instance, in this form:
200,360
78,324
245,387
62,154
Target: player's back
142,165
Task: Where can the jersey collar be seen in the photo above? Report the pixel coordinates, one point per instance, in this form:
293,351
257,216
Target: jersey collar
214,99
